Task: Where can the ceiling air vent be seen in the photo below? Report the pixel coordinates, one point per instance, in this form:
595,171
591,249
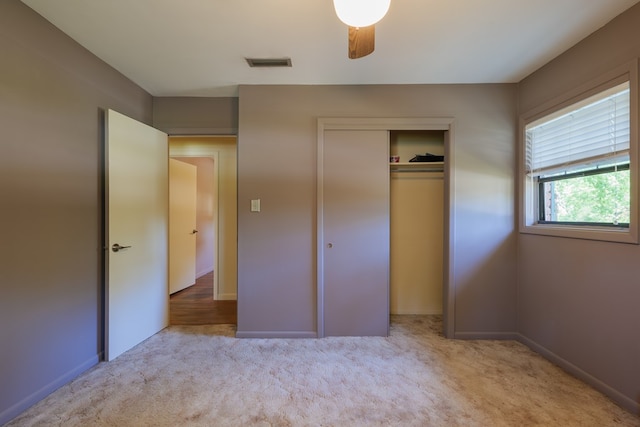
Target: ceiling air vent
269,62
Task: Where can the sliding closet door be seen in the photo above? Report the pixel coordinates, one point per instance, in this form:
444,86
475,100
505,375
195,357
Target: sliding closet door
355,238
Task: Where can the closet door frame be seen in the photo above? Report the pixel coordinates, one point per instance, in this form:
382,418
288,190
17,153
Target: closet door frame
426,123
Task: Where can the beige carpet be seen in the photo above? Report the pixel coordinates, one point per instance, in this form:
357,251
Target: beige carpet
201,376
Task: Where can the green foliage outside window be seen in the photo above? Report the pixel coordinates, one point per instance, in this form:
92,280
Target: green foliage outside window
602,198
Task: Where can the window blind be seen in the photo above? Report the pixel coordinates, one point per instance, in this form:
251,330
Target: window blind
593,132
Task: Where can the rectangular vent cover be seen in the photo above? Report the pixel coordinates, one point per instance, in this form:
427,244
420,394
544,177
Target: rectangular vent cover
269,62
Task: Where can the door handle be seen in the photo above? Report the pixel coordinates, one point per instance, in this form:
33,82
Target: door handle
116,247
194,231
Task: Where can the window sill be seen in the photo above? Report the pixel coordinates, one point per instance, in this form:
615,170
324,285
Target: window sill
606,234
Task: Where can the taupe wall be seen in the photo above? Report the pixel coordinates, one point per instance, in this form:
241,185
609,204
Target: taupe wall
578,300
52,97
196,116
277,164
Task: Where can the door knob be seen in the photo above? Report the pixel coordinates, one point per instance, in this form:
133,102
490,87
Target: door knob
330,245
194,231
116,247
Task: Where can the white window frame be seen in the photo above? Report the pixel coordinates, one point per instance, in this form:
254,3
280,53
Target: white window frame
528,203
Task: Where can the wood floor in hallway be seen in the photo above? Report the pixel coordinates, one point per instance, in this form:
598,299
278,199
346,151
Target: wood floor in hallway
195,305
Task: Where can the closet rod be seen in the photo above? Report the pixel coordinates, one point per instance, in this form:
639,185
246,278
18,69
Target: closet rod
417,167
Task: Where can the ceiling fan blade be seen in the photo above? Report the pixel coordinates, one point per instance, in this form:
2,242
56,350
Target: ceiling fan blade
361,41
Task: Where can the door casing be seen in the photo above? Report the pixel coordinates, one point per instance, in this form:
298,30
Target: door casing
206,150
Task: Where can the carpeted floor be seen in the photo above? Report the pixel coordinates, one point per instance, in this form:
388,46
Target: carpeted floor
202,376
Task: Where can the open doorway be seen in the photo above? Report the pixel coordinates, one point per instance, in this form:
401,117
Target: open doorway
211,299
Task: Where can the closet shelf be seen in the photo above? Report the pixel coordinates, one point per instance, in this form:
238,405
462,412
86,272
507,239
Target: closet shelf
417,166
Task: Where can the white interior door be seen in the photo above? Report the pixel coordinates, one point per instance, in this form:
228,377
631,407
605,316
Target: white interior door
137,297
355,209
183,181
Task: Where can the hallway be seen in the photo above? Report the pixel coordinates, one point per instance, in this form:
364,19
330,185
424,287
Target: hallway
195,305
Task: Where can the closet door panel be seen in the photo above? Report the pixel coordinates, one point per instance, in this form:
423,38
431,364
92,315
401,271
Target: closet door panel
356,233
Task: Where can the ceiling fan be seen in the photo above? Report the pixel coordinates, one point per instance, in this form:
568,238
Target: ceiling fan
361,41
361,17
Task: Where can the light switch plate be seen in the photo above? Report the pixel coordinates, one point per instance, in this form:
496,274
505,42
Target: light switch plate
255,205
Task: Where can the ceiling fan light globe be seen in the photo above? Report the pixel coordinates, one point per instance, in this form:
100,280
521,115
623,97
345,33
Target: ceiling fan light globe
361,13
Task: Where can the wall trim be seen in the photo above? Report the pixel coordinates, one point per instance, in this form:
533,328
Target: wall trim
182,131
503,336
227,297
18,408
619,398
446,124
198,150
276,334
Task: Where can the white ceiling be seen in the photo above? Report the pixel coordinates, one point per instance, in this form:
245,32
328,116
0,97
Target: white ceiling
197,47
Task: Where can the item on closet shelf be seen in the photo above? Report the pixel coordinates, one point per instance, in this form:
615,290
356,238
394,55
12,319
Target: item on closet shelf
394,159
428,157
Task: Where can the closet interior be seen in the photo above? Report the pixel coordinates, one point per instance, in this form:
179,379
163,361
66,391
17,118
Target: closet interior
416,222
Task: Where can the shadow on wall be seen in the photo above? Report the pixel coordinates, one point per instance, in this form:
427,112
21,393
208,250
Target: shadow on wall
481,270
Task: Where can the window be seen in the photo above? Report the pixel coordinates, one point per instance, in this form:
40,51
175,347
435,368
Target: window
578,167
